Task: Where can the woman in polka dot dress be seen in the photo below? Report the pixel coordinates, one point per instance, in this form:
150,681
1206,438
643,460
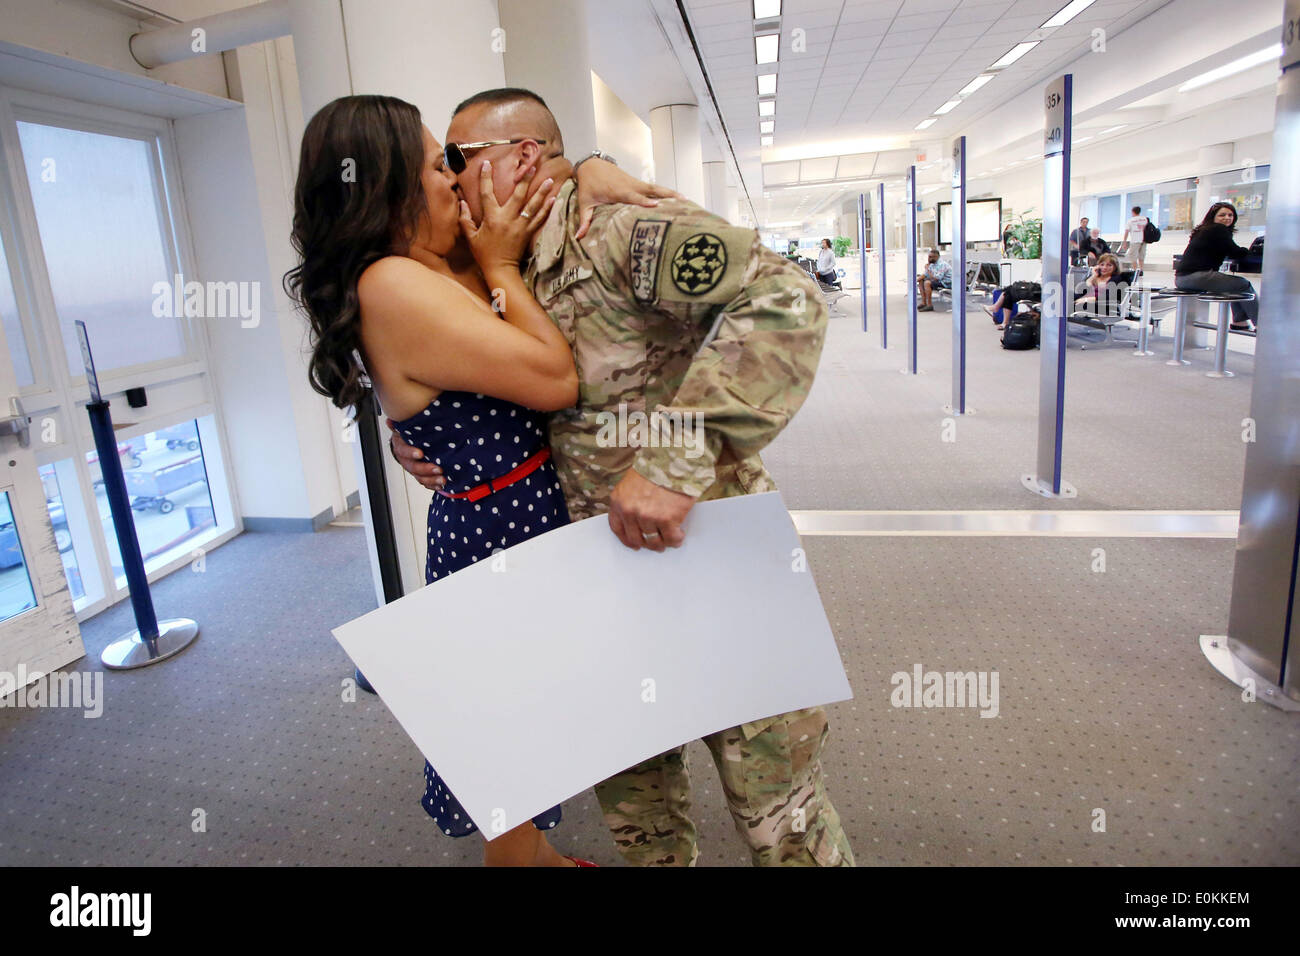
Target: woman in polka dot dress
475,438
396,280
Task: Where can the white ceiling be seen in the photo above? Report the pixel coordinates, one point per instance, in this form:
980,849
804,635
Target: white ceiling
871,71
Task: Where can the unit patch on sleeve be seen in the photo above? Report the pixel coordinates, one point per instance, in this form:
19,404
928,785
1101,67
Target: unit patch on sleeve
644,254
699,263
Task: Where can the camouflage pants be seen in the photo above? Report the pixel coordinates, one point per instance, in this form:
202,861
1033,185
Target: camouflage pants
774,787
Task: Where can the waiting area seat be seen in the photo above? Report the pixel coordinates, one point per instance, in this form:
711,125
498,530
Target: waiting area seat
831,293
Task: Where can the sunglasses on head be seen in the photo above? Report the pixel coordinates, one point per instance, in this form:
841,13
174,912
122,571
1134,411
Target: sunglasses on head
454,153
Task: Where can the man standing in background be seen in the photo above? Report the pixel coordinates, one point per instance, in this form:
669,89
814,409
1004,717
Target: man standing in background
1135,240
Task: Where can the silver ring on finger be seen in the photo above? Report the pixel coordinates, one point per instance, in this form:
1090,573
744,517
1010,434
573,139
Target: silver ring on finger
526,214
647,535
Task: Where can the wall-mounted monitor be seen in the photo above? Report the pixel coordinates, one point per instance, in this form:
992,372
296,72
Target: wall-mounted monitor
983,221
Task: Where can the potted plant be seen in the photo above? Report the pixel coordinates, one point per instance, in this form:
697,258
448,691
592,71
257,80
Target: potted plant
1026,240
840,245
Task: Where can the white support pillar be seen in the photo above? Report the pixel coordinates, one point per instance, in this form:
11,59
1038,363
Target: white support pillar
679,161
715,188
342,48
546,51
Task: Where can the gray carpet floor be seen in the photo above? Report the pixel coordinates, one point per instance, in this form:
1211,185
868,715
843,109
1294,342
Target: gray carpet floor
1138,434
1106,706
1105,703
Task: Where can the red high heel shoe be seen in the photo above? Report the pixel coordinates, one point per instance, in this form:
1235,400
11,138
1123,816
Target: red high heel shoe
578,862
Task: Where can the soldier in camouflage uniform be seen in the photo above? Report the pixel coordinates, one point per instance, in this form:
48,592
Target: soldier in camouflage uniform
674,310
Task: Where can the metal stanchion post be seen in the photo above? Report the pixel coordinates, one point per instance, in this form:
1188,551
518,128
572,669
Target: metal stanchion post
152,640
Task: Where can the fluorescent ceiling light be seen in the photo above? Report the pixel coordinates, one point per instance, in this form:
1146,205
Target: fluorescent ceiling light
974,84
1236,66
1015,53
1063,16
766,126
766,48
765,141
1082,139
767,107
765,9
926,124
1113,129
947,107
767,84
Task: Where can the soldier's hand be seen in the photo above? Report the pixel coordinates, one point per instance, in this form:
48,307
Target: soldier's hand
645,515
600,183
412,460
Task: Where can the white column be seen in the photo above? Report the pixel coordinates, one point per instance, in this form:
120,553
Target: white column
416,52
679,161
715,188
546,51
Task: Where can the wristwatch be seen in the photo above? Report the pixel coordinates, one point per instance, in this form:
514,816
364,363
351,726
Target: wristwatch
595,154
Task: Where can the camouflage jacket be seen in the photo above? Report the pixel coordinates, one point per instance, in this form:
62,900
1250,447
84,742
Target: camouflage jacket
694,344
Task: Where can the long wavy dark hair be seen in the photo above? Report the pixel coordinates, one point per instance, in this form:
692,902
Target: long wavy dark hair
358,199
1214,211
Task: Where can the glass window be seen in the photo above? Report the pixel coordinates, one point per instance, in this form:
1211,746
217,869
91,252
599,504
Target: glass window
1144,198
1176,205
1247,189
167,483
16,594
63,537
1110,217
13,325
97,211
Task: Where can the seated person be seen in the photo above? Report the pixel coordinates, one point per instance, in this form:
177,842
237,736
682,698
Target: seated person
826,265
937,274
1208,246
1097,247
1100,292
1006,300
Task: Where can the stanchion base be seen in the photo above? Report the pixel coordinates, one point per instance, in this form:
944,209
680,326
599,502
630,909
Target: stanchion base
1224,374
908,371
1044,488
1144,353
1216,650
949,410
1178,363
129,651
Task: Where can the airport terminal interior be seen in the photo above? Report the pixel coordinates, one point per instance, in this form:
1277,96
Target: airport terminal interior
1095,516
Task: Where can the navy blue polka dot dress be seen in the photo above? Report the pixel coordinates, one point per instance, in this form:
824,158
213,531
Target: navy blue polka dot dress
476,438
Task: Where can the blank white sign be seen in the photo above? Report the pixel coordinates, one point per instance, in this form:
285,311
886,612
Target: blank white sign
529,677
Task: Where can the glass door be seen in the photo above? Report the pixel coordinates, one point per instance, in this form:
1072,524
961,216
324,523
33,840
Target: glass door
38,626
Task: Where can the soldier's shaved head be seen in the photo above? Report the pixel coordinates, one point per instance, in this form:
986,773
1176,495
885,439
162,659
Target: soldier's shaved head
511,112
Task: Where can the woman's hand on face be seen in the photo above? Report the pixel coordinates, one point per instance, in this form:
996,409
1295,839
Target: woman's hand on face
601,182
500,240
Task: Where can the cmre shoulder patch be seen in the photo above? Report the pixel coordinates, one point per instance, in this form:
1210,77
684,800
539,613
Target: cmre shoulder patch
644,253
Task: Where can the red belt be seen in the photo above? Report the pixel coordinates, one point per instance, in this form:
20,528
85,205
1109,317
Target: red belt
530,465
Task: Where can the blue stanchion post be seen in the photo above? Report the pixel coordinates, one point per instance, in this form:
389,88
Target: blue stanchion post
862,253
152,640
880,247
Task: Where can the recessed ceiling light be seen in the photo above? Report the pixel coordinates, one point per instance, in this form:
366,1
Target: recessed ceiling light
765,141
766,48
1065,14
767,84
1236,66
926,124
764,9
767,107
947,107
766,126
975,84
1015,53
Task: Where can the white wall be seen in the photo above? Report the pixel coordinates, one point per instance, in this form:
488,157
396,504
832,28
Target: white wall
620,132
